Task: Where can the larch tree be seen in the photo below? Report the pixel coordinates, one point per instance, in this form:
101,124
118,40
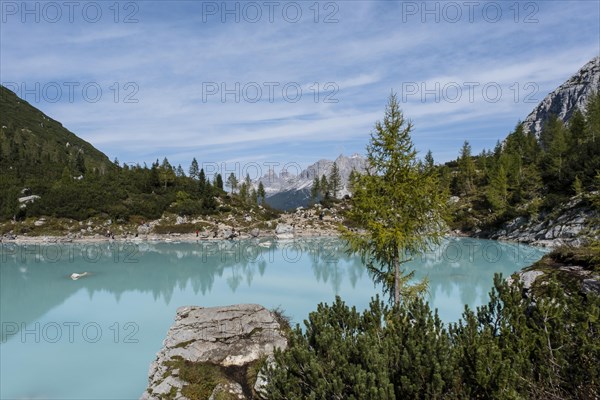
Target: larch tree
400,208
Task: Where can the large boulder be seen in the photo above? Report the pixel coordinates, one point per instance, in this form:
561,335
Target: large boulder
284,231
220,349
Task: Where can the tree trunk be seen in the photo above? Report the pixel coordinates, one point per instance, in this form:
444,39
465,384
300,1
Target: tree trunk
396,279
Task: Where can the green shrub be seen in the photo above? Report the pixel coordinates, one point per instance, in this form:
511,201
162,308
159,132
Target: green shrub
513,347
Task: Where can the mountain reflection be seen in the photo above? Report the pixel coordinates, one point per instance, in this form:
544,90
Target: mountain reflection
35,278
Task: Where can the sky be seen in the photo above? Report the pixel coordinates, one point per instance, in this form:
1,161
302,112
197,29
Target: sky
276,82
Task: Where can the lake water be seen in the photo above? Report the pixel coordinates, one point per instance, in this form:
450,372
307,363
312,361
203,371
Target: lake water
94,338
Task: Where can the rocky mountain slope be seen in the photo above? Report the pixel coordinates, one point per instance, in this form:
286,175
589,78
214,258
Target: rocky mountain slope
568,97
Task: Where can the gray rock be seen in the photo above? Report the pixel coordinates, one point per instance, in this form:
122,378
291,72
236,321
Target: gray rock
571,231
591,285
225,336
284,231
568,97
284,228
255,232
232,390
529,277
261,380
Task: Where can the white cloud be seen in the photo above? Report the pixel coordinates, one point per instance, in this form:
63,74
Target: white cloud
171,55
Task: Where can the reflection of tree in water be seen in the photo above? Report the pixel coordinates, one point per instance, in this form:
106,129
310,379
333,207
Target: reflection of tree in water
330,262
30,288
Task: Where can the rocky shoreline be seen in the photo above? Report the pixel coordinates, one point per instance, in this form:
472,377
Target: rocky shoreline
303,223
574,224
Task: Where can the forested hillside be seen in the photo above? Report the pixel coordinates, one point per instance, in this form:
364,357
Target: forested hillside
39,157
526,175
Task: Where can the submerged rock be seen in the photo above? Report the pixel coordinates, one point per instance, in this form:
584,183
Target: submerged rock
220,345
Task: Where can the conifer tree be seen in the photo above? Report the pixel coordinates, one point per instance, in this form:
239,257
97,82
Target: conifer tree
497,191
399,207
232,182
218,181
315,190
261,192
429,162
335,180
193,172
201,181
166,173
324,187
466,169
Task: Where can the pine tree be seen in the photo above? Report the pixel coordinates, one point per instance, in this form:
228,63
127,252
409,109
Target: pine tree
261,192
166,173
335,180
557,152
429,162
592,118
315,190
193,172
179,172
201,181
466,169
232,182
218,181
244,192
497,192
352,178
324,187
400,208
577,128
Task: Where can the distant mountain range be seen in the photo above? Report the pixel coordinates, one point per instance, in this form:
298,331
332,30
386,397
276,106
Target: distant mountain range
286,191
568,97
33,145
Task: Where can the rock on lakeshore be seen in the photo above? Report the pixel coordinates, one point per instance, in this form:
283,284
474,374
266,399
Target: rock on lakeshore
216,351
573,224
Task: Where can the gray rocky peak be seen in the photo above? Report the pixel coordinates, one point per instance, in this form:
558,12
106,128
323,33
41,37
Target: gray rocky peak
568,97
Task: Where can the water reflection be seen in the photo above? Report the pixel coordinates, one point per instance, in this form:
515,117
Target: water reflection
139,286
35,278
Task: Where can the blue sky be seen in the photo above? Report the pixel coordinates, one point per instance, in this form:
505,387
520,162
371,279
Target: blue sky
236,82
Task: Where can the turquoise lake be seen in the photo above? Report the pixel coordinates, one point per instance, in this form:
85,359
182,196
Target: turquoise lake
94,338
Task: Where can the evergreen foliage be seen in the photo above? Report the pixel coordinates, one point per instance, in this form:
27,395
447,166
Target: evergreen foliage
526,175
514,347
335,180
399,206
